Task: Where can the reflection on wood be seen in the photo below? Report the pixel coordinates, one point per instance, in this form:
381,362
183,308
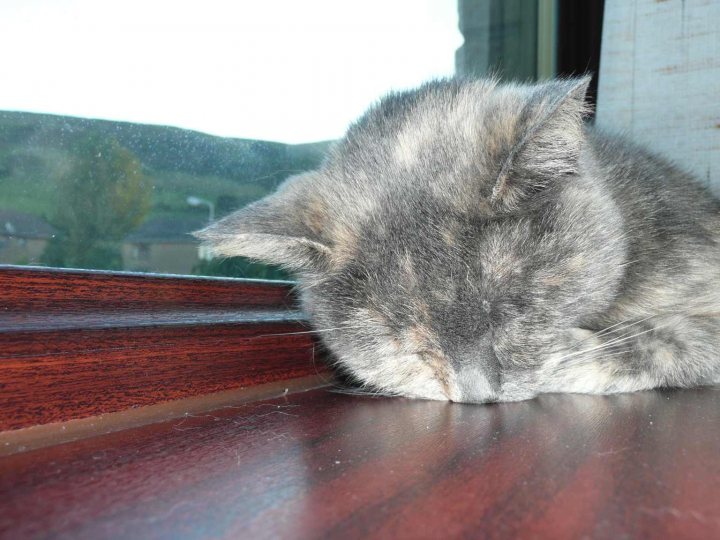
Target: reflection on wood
318,464
45,289
77,344
55,376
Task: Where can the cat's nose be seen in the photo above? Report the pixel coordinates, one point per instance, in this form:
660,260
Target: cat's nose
478,373
474,385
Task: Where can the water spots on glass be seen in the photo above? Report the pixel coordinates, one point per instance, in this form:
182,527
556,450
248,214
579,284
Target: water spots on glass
96,194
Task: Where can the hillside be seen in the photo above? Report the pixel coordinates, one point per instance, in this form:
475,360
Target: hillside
38,152
36,148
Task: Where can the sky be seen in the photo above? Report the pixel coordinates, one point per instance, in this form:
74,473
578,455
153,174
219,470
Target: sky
283,70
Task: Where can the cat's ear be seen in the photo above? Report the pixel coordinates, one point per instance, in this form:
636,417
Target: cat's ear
549,141
284,228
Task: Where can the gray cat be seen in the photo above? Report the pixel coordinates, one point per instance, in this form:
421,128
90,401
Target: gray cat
475,241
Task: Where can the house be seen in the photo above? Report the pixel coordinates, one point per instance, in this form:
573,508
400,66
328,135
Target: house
163,245
23,237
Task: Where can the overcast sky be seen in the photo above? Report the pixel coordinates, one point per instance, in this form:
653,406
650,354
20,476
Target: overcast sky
284,70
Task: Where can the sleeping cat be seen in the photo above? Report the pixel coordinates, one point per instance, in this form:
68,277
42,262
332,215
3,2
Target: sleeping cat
474,241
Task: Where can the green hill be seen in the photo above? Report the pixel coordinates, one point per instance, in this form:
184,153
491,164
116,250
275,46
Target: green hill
36,148
39,151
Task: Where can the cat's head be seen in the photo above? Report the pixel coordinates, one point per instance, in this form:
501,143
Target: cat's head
448,240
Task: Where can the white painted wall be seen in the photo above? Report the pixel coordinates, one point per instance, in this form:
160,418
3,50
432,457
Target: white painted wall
660,79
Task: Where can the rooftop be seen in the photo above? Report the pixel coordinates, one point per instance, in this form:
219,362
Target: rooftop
167,229
24,225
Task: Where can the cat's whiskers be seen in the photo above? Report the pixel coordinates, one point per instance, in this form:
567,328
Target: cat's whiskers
627,324
612,329
360,392
614,353
317,330
623,336
613,342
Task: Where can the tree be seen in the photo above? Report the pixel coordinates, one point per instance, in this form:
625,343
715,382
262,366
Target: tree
102,197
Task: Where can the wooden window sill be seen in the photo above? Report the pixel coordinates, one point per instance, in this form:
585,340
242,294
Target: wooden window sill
81,348
137,407
319,464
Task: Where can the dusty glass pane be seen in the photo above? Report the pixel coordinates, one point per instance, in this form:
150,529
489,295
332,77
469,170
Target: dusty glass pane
124,126
81,193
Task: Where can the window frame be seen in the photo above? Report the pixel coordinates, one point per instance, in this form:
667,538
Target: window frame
85,348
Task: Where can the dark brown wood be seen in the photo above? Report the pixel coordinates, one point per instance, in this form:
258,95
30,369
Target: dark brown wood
56,376
318,464
32,288
39,436
75,344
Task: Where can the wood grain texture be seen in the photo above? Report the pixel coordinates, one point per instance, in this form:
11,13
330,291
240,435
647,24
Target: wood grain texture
77,344
318,464
16,441
32,288
56,376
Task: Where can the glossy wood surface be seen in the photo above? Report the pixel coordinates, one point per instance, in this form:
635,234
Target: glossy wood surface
34,288
77,344
57,376
319,464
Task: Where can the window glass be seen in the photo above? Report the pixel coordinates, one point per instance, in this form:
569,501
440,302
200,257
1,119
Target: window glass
124,126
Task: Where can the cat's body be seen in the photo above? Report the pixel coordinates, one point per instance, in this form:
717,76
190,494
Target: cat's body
476,242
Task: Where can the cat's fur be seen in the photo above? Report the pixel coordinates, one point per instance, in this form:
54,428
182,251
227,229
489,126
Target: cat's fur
475,241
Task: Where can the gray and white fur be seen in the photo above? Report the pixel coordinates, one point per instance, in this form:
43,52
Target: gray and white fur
475,241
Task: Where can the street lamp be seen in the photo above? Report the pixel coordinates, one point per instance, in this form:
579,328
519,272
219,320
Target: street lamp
197,201
204,252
